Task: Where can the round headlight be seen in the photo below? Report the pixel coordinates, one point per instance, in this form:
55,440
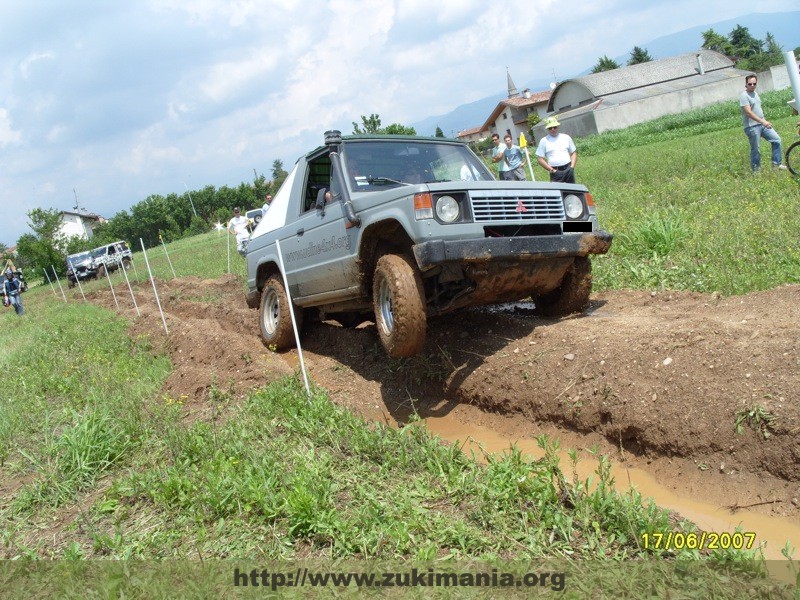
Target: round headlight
447,209
573,206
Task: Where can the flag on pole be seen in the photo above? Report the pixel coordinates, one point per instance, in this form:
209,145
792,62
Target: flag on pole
523,144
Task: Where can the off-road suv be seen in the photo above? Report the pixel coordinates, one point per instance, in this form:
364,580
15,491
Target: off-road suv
80,268
110,257
406,228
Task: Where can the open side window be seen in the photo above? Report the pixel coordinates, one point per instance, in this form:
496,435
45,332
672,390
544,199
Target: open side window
318,178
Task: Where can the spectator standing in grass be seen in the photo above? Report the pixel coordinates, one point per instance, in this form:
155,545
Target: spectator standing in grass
515,159
238,227
557,153
498,156
757,127
11,290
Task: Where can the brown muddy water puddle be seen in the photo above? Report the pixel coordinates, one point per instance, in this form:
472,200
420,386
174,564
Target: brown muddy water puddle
771,532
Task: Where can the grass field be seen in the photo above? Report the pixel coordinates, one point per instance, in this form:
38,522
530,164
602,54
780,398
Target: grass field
685,209
87,441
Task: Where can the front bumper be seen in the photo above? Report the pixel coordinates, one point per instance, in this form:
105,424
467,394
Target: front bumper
438,252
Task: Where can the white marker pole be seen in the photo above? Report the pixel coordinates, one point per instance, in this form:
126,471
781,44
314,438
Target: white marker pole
530,166
291,314
108,276
135,272
128,281
63,295
50,281
168,260
80,287
153,282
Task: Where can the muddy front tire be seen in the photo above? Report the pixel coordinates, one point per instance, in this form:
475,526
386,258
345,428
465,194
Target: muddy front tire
101,271
275,320
399,302
573,293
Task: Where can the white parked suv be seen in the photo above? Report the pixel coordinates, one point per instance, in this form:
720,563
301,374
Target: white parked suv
110,257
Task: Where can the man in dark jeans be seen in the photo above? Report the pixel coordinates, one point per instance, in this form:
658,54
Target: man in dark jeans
756,126
557,153
11,289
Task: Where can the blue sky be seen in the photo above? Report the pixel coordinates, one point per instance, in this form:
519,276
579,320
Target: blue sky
120,100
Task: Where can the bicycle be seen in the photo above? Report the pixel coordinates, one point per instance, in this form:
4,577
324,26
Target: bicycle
793,156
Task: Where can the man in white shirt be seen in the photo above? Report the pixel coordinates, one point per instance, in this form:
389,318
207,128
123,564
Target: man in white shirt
756,126
557,153
238,227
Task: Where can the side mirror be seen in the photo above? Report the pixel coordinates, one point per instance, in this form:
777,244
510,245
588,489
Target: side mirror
320,203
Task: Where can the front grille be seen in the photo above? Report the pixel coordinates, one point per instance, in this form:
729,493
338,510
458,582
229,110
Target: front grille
508,205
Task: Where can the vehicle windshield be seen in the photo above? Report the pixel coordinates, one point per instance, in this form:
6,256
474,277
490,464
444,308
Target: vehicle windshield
76,259
99,252
376,165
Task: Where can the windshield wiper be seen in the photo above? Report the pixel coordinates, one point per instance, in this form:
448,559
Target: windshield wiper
384,180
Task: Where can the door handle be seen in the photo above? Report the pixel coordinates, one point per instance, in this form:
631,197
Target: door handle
300,232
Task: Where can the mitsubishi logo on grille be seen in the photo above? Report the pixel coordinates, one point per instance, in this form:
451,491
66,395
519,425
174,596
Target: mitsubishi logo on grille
520,207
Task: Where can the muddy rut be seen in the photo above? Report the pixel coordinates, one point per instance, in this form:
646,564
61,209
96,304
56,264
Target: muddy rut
702,390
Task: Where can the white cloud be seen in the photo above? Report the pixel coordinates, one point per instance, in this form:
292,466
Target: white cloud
29,61
125,100
7,134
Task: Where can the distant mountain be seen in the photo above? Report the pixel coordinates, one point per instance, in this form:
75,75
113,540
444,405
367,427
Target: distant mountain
784,26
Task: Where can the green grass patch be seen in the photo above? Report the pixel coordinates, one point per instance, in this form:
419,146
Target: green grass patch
687,213
75,404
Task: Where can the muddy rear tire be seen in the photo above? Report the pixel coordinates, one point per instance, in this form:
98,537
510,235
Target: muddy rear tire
399,302
573,293
274,318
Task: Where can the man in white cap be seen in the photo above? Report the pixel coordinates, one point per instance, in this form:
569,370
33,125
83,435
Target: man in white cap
557,153
238,226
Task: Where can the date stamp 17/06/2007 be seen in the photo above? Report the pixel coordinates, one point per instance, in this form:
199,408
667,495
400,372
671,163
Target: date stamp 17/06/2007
698,540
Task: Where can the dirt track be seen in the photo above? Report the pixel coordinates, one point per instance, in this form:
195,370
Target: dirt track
659,379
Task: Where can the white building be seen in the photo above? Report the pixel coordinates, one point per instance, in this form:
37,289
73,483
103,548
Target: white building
510,115
80,224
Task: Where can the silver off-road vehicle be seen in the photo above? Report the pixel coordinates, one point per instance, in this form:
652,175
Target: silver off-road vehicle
399,229
110,257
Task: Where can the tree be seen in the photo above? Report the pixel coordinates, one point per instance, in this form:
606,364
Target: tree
772,45
744,44
439,132
371,124
773,55
714,41
639,55
533,120
279,175
605,64
45,247
397,129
